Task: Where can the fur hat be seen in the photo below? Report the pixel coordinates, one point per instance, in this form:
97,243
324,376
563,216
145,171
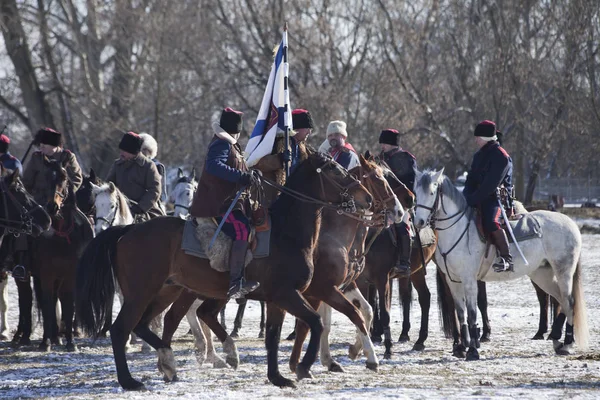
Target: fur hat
337,127
301,119
389,136
485,129
50,137
131,142
149,146
231,121
4,142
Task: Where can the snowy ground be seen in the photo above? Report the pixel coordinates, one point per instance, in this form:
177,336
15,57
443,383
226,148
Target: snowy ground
511,365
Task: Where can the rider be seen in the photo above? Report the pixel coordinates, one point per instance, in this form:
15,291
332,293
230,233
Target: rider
137,177
7,160
224,174
491,172
150,150
338,147
36,182
404,166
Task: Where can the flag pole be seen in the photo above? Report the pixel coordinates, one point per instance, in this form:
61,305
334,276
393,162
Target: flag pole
286,107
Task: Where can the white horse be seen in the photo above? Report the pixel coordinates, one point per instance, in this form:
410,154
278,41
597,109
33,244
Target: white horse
554,260
112,208
183,193
4,306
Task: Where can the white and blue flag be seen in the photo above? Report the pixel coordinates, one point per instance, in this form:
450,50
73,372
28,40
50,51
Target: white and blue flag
275,114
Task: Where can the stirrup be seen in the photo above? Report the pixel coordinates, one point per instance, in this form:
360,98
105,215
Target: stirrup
19,272
502,265
400,269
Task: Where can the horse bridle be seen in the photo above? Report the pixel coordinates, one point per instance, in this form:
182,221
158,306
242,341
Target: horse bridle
25,224
378,198
117,209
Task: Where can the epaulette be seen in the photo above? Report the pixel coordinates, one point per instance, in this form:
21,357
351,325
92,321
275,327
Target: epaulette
503,151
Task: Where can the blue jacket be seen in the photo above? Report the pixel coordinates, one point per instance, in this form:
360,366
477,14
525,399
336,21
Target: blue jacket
216,161
491,168
11,162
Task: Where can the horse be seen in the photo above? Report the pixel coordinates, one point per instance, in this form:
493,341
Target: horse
152,270
340,260
554,261
54,260
112,207
182,194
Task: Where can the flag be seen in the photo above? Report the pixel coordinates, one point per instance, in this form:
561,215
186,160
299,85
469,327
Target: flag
275,114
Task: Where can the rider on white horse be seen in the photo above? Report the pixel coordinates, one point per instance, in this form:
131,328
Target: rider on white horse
491,170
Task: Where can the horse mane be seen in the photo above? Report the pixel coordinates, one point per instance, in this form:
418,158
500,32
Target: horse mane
122,200
447,187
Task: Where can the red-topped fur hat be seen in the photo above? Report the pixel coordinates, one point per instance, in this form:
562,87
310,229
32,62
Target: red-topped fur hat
389,136
50,137
231,121
301,119
131,142
4,142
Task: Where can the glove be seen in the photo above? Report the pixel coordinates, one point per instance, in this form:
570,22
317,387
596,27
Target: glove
251,178
135,209
286,156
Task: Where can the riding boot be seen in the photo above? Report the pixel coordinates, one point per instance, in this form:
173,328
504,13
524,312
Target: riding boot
504,261
238,286
402,266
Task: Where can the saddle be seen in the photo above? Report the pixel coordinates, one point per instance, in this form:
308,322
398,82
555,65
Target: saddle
524,226
198,232
426,236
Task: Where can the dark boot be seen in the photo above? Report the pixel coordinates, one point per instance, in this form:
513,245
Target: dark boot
402,266
238,286
504,261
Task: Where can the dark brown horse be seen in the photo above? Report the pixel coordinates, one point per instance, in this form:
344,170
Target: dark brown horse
336,267
152,270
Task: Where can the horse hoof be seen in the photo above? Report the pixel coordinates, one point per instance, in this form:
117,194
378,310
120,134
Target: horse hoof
303,373
261,334
335,367
3,336
76,334
103,335
538,336
373,366
282,382
472,355
387,355
57,342
45,347
234,335
353,352
232,361
291,336
403,338
173,379
419,347
71,347
219,364
132,384
459,351
563,350
376,339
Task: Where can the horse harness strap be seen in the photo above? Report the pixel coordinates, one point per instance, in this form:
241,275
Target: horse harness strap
25,225
117,210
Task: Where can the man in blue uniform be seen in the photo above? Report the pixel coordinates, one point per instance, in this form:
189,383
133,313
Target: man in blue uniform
488,185
8,160
404,166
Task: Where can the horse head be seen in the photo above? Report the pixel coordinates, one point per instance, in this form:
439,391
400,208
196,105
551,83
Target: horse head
20,213
85,195
183,193
58,189
111,207
385,202
324,180
428,190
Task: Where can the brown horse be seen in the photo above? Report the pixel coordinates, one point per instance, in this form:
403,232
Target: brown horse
336,267
152,270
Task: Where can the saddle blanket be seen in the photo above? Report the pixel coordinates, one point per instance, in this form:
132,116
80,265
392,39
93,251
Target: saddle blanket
427,236
196,239
525,228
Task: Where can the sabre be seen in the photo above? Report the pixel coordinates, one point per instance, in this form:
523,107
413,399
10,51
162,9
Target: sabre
235,199
510,231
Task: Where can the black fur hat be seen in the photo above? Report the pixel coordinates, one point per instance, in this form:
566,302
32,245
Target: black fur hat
485,129
50,137
231,121
131,142
302,119
389,136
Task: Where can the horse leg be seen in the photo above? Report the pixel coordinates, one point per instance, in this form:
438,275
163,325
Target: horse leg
383,289
208,312
23,334
237,323
339,302
405,296
376,329
356,298
459,294
420,284
107,318
470,290
211,354
3,308
543,299
325,353
275,317
222,313
48,302
301,333
67,300
261,333
483,308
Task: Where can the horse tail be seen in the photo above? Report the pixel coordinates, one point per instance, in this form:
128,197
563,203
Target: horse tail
446,318
95,287
580,318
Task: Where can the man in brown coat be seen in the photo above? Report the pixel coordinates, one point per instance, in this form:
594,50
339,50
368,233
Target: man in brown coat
224,174
137,178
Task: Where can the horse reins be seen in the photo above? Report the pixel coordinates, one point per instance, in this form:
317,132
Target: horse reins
25,225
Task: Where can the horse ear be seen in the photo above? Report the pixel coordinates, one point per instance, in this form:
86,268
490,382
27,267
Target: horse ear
193,176
179,173
362,159
95,188
439,176
111,187
93,175
368,155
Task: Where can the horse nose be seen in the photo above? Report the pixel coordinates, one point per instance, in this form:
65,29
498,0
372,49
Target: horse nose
369,199
420,223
